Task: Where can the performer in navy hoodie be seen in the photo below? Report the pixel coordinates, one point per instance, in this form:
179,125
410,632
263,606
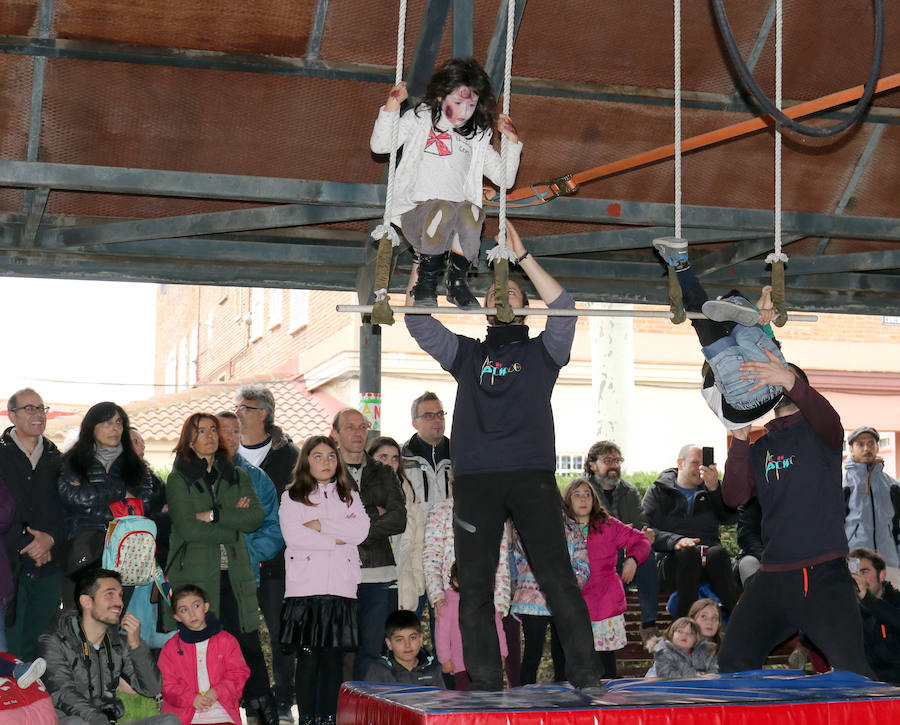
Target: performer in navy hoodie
504,459
804,582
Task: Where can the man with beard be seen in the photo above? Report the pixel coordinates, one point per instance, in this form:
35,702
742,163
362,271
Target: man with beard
504,461
84,691
603,468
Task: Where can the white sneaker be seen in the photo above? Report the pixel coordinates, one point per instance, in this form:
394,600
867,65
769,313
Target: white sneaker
32,674
731,309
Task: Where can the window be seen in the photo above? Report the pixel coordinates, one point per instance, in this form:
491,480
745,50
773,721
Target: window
570,463
299,309
257,310
181,379
274,308
192,357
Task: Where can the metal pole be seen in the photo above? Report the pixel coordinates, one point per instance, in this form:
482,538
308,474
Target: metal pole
370,375
542,312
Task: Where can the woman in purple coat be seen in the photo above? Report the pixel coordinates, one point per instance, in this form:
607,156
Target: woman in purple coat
604,592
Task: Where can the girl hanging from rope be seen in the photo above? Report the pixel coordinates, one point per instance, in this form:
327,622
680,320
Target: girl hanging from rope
438,185
736,331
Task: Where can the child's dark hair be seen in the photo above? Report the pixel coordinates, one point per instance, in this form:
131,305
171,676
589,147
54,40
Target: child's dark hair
186,590
401,619
303,484
598,515
458,72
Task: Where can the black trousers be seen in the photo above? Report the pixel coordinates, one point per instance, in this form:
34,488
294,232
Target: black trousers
534,627
257,685
820,600
270,596
683,570
482,503
319,677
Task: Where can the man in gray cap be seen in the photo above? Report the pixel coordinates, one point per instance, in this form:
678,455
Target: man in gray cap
873,501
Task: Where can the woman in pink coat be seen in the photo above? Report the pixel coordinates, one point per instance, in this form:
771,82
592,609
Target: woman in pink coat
604,591
202,668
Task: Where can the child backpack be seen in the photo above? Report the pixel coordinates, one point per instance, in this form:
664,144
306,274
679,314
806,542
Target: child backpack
130,549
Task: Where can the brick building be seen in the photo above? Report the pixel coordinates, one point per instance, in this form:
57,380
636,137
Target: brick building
215,335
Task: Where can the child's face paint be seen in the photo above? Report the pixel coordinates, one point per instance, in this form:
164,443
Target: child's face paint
459,105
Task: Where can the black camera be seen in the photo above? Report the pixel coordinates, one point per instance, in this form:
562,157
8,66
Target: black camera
112,707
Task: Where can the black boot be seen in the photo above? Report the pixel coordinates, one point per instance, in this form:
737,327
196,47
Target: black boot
431,269
458,292
266,709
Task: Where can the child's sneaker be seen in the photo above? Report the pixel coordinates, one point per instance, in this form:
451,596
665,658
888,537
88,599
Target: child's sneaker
673,250
27,673
731,309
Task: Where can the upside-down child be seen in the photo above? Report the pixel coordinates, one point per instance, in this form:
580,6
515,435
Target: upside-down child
202,668
734,332
447,152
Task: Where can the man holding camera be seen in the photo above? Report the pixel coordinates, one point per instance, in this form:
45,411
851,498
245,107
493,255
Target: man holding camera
86,655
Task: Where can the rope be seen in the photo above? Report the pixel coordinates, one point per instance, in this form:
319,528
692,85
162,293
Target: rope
385,234
501,255
778,258
676,303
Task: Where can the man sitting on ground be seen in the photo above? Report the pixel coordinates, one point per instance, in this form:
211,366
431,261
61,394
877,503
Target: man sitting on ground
86,655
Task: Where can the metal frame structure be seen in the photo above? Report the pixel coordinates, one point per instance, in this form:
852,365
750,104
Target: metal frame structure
282,243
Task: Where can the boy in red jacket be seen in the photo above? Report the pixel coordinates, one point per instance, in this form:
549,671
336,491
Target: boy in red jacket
202,667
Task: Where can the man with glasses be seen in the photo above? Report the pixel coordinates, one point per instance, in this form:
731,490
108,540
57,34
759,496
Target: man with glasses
426,456
873,501
29,466
265,445
603,468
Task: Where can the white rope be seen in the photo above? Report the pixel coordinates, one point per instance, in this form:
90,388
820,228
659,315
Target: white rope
385,227
778,255
501,251
677,88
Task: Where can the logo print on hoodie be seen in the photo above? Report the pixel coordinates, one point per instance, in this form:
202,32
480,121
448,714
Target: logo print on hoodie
497,370
777,464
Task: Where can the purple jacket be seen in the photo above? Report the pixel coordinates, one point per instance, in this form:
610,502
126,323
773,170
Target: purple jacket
604,593
7,517
314,562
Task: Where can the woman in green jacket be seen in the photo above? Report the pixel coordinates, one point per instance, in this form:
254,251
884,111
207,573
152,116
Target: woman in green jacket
212,504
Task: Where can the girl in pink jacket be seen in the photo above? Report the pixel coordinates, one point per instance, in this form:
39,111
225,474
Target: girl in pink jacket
322,521
202,668
604,591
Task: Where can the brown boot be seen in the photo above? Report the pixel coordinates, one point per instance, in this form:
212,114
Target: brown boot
648,633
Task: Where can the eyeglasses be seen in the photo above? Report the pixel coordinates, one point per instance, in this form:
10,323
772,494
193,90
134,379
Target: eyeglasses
612,460
32,409
239,408
439,414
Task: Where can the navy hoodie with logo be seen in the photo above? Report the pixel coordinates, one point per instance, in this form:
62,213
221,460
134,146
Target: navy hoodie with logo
502,420
795,472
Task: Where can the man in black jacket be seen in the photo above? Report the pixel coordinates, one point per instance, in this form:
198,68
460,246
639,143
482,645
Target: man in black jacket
265,445
29,466
684,507
879,604
382,497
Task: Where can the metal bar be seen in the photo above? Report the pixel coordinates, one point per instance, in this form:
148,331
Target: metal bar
862,164
318,28
427,45
545,312
761,36
462,44
496,52
152,182
618,239
315,68
35,214
188,225
714,261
